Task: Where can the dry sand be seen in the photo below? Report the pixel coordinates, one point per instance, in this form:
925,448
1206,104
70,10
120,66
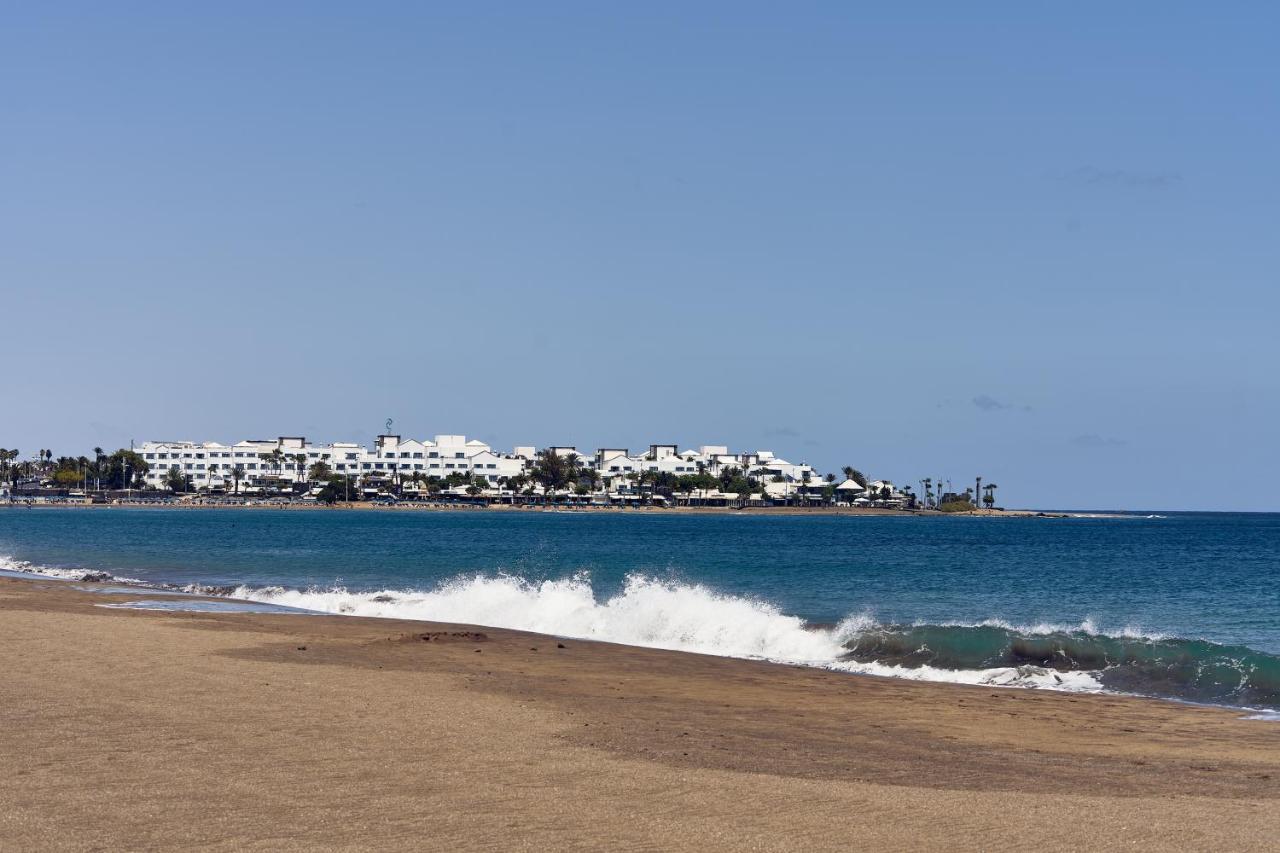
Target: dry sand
140,730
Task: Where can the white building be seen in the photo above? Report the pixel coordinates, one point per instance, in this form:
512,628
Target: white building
256,465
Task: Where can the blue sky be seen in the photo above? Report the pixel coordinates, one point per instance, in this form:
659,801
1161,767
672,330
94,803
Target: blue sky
1035,242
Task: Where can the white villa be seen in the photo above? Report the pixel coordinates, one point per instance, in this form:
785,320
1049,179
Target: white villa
253,466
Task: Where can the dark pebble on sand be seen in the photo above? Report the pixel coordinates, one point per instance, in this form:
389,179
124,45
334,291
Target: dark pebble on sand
477,651
559,645
302,648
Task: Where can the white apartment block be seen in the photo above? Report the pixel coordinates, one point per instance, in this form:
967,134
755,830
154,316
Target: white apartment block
253,464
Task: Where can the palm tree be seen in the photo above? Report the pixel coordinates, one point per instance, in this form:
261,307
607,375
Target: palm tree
300,460
237,474
273,461
175,481
6,459
573,469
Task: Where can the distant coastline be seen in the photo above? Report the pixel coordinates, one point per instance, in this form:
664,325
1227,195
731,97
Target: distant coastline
815,511
455,469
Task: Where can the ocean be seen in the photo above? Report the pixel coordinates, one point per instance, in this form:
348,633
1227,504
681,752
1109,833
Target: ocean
1178,606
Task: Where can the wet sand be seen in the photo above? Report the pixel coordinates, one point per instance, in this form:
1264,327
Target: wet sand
148,730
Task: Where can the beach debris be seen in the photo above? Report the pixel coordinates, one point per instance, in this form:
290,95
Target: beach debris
302,648
446,637
533,648
560,645
478,651
95,577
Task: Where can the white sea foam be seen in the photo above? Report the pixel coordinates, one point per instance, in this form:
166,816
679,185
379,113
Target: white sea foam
647,612
1268,716
23,567
1003,676
1084,626
652,613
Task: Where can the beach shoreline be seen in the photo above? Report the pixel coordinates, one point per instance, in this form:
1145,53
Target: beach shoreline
156,729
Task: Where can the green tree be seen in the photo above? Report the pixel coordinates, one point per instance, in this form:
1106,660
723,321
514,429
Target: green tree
6,464
319,472
851,473
552,470
336,488
125,470
175,481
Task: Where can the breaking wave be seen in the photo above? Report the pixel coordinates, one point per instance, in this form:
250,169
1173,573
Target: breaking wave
694,618
22,567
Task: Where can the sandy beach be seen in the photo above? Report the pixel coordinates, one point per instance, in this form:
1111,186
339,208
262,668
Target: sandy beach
151,730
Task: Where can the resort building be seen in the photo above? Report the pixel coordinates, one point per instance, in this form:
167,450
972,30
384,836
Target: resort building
292,463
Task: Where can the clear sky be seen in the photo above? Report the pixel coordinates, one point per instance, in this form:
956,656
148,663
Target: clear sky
1035,242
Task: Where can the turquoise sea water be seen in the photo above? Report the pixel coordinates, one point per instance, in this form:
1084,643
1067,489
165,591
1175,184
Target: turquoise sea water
1184,605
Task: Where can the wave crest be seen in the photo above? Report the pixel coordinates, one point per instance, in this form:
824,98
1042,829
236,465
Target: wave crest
695,618
647,612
